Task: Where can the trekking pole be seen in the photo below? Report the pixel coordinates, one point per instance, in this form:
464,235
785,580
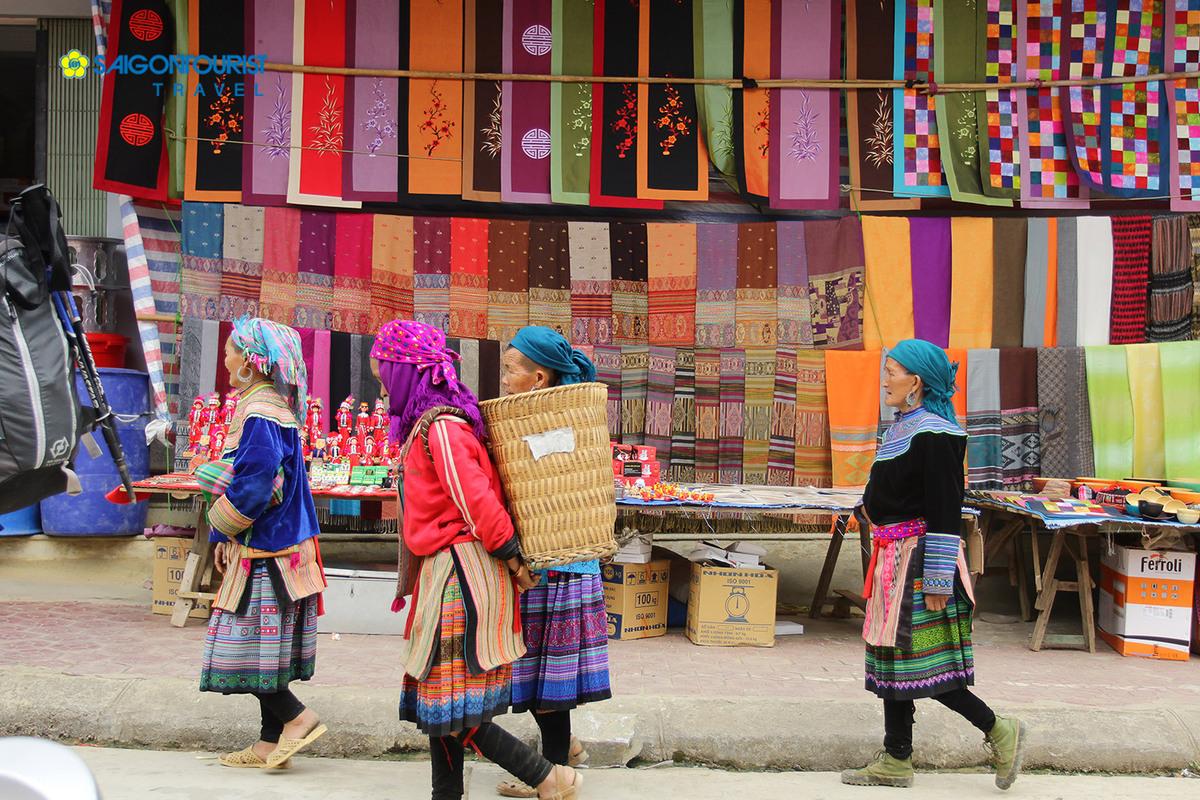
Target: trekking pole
64,304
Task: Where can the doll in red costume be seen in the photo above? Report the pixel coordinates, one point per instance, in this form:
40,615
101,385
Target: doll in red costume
345,416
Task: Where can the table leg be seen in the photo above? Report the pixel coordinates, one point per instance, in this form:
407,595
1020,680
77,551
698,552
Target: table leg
1087,612
831,558
1045,600
1035,545
1017,570
199,562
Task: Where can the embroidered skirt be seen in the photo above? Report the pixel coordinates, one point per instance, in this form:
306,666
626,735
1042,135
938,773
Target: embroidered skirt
450,699
932,653
263,649
566,636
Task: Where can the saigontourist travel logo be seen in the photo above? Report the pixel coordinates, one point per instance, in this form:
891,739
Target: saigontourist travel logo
75,65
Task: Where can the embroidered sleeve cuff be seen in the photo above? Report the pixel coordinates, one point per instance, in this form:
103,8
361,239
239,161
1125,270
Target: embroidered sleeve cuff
941,562
510,549
225,518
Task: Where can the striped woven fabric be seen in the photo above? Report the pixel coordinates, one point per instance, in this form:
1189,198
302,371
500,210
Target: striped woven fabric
241,270
591,283
660,401
733,400
716,285
852,383
635,369
1194,233
1172,289
984,445
781,460
281,260
759,400
203,242
469,278
630,275
794,300
1131,277
508,278
550,275
299,569
1065,414
672,271
431,271
1021,443
391,270
836,283
160,238
352,273
708,415
314,276
608,371
683,417
757,282
814,464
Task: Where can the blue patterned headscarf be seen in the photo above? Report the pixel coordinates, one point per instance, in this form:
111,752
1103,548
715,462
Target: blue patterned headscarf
548,348
274,350
930,362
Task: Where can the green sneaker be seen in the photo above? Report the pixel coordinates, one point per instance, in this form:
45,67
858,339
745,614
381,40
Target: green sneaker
882,771
1006,741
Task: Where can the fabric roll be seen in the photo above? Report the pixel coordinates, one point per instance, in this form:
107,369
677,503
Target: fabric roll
708,415
1068,282
972,286
1112,411
571,103
852,385
1180,364
757,284
1145,392
608,372
269,30
1009,237
1182,51
469,278
160,230
1040,327
373,110
713,37
281,263
203,247
683,418
242,265
525,107
314,278
716,285
985,442
931,264
630,275
1065,415
1131,278
635,368
549,275
672,285
1020,455
732,417
508,278
391,270
352,273
781,459
434,114
1172,289
813,458
794,303
489,369
889,279
917,157
660,401
431,271
483,102
216,104
341,383
836,281
759,401
591,283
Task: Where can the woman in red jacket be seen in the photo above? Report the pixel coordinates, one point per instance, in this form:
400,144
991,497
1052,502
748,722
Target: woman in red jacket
460,557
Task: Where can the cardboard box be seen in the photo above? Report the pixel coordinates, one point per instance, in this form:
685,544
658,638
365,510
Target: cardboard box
635,596
170,557
1146,601
730,607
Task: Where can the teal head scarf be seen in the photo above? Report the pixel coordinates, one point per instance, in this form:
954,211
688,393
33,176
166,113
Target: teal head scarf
549,348
930,363
275,351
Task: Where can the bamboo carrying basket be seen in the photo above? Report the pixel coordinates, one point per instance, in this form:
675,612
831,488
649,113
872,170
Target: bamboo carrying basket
563,504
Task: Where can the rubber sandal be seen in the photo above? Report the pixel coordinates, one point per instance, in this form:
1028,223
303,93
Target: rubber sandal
569,793
246,759
578,757
290,747
515,789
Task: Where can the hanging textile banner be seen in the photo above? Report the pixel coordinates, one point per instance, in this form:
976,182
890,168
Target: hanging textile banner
672,286
314,279
660,398
671,159
270,31
781,460
752,107
889,282
281,261
1065,414
1009,239
997,62
431,271
635,374
1068,282
1145,392
852,381
713,37
391,269
1048,179
469,278
591,283
984,443
352,273
203,248
614,177
836,269
158,229
1183,44
1130,278
483,51
571,103
1171,287
508,278
708,415
757,285
814,466
630,277
1093,307
318,121
929,246
759,400
716,285
608,372
971,282
525,157
917,158
1112,411
1118,133
806,42
435,107
683,417
550,275
1180,364
1020,438
963,117
242,262
870,118
733,422
216,104
131,149
795,304
373,110
1040,326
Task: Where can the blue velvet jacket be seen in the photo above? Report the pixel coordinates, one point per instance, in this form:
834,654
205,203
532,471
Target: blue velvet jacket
263,436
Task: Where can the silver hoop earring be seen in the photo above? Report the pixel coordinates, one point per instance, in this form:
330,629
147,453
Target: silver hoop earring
244,375
910,399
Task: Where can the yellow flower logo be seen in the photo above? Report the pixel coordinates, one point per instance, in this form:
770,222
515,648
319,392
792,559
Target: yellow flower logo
74,64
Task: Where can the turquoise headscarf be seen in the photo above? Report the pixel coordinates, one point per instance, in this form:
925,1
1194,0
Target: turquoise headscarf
932,365
549,348
275,351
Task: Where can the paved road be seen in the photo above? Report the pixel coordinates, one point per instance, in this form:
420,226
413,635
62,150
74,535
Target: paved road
137,774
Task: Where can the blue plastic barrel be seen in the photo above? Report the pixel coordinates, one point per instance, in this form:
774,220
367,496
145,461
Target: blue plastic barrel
23,522
90,514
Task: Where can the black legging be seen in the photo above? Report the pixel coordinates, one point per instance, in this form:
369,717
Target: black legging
278,709
556,735
898,719
492,742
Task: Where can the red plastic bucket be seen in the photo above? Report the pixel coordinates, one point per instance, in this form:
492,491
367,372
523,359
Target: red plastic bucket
108,349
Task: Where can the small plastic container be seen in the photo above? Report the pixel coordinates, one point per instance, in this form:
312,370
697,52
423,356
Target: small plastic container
108,349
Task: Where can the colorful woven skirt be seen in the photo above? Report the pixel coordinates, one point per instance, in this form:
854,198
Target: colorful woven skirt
450,699
566,636
933,653
263,649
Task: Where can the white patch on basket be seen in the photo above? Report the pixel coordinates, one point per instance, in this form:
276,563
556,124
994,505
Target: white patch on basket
559,440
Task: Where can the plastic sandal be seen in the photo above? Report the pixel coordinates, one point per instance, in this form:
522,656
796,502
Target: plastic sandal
570,792
289,747
246,759
515,789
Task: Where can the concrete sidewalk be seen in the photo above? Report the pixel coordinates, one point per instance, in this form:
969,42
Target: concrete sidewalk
112,673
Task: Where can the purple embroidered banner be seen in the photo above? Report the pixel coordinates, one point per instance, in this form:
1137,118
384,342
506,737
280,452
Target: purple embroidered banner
269,111
525,166
372,103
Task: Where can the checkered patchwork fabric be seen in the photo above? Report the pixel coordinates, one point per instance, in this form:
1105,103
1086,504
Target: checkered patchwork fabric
922,153
1135,158
1004,165
1185,34
1088,26
1050,175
